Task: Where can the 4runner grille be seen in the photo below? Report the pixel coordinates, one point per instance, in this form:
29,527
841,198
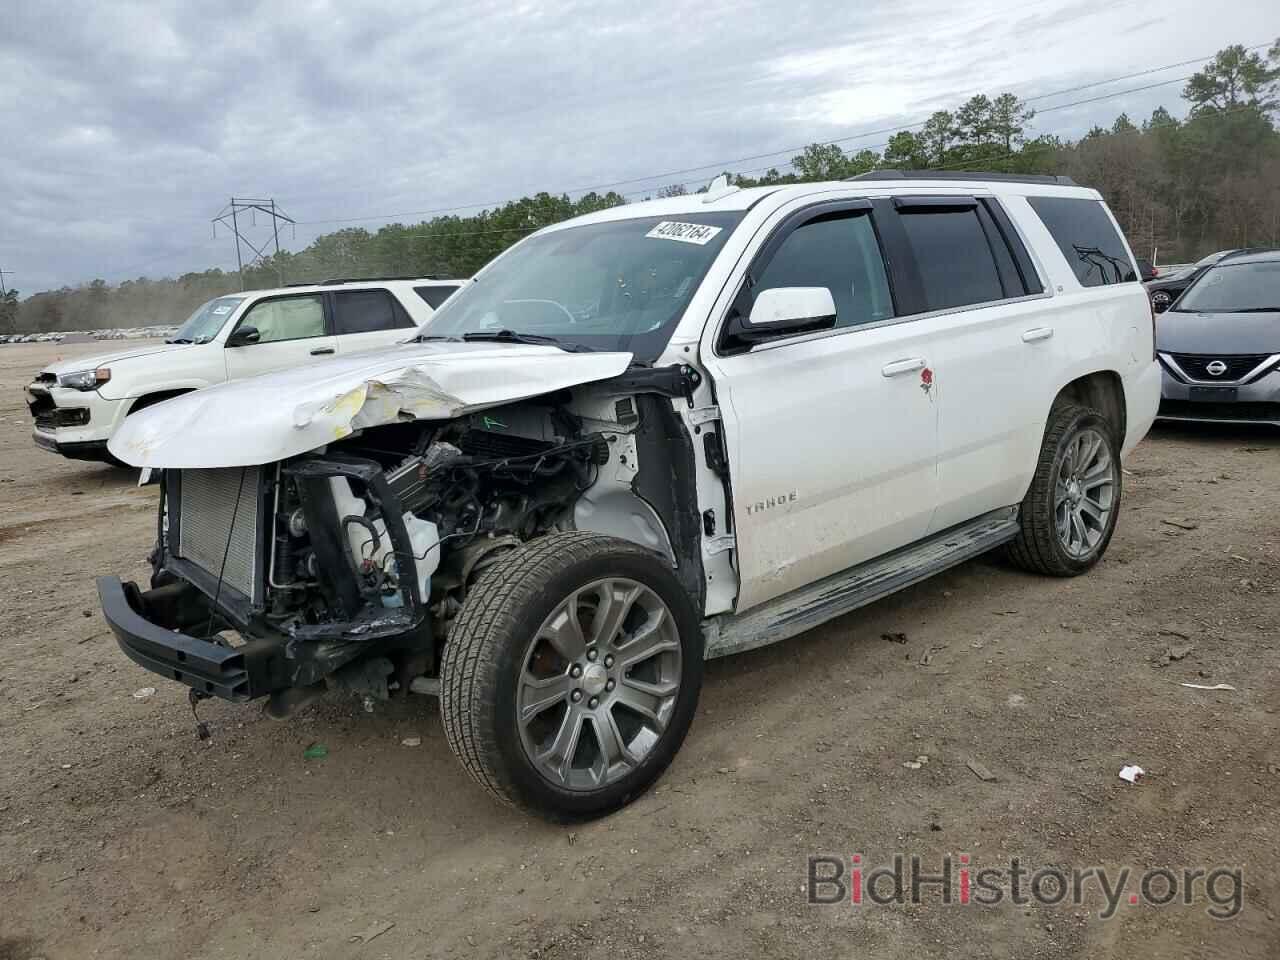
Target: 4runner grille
207,530
1195,365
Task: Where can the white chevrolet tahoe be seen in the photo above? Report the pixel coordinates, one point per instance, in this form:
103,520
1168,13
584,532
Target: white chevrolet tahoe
78,404
648,436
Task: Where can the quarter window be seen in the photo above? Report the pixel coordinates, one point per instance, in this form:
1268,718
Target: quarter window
364,311
839,252
1087,238
287,318
434,296
957,267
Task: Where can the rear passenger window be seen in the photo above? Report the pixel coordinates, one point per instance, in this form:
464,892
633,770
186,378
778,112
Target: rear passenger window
364,311
1087,238
434,296
955,260
838,252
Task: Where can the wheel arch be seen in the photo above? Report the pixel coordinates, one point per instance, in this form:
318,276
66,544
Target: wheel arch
154,397
1102,390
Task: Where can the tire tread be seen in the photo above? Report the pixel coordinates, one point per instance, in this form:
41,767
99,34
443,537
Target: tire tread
1035,548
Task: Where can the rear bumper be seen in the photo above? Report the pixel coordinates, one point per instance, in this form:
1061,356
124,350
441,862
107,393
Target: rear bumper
146,626
1142,398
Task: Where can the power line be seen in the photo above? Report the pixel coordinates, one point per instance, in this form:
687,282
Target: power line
946,166
1064,106
723,164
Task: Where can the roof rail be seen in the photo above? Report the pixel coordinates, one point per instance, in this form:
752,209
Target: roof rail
964,175
338,281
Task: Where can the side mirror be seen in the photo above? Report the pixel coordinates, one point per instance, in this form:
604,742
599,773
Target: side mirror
789,310
243,336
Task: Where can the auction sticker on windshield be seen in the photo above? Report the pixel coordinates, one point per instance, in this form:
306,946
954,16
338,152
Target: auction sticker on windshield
698,233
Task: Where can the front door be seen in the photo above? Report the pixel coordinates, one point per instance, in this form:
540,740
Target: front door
832,436
291,330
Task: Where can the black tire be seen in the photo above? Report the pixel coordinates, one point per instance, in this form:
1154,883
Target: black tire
1038,547
483,660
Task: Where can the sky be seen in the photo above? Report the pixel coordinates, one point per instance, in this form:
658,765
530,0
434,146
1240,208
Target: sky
128,126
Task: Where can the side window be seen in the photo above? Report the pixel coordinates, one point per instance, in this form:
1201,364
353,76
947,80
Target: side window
955,260
434,296
287,318
1087,238
839,252
364,311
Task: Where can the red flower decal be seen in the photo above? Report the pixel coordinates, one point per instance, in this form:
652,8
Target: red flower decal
926,376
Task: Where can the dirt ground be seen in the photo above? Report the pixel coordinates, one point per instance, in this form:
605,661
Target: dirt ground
122,835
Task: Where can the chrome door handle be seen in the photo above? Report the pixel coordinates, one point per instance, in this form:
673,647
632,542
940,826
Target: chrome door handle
899,367
321,351
1039,333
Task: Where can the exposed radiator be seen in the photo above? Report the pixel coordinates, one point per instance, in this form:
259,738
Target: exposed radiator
208,498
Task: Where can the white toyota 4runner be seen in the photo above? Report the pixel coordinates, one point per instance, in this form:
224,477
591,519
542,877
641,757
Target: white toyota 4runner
79,404
648,436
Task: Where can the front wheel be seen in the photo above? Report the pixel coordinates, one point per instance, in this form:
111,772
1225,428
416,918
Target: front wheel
571,675
1070,511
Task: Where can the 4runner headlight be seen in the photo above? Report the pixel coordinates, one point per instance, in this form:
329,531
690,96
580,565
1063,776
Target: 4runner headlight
85,379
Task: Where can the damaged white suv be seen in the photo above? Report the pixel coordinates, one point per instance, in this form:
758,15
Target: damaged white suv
648,436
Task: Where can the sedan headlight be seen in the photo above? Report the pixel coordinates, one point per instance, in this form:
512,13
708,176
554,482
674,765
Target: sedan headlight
85,379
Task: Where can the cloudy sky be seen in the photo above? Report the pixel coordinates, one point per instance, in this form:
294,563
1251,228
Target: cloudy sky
128,125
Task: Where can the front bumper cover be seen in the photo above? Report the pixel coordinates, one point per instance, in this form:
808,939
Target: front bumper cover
95,450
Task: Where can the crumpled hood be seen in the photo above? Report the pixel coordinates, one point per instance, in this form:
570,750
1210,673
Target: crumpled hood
1218,333
278,415
92,362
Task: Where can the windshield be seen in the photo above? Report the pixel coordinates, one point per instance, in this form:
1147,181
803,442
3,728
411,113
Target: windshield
620,285
1235,288
203,325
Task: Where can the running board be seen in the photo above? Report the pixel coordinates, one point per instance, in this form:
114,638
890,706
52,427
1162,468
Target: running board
806,608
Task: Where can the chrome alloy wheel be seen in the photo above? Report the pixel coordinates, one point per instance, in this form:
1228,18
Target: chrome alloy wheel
598,684
1084,493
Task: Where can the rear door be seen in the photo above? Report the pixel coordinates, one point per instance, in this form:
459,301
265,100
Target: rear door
984,293
293,329
832,435
369,318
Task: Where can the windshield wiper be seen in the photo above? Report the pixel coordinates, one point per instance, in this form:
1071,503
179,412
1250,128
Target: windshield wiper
510,336
1253,310
178,340
424,337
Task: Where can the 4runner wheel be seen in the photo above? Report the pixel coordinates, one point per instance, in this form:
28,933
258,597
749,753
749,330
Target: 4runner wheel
571,675
1069,514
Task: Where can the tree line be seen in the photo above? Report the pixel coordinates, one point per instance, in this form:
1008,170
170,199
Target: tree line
1181,188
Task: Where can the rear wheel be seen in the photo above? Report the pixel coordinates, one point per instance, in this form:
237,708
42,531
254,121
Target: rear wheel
1070,511
571,675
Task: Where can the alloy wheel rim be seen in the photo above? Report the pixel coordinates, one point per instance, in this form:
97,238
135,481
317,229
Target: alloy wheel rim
1084,493
598,684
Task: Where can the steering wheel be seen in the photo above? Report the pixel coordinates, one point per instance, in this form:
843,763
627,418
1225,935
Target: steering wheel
555,303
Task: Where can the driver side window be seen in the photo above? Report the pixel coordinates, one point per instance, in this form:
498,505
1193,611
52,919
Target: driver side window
287,318
837,251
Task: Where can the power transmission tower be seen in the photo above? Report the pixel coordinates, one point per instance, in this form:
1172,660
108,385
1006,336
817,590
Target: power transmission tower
4,290
233,215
